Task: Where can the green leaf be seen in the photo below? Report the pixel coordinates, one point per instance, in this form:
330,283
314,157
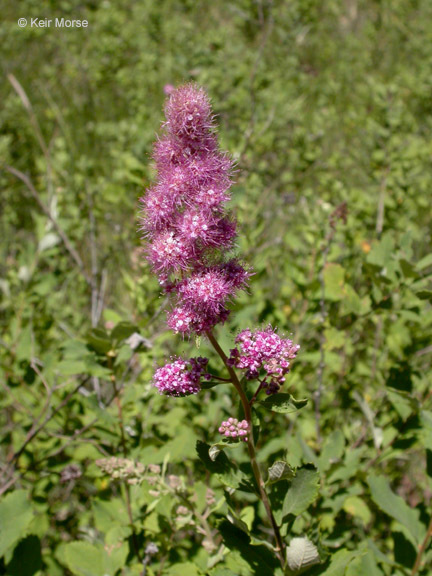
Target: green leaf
123,330
404,551
395,506
235,539
425,432
302,492
357,507
365,565
280,470
332,451
15,516
71,367
85,559
282,403
211,384
334,281
27,558
216,448
381,252
408,269
185,569
340,561
425,262
424,295
351,303
403,402
98,340
224,469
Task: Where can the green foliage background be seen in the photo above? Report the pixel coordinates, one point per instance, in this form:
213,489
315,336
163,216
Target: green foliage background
325,106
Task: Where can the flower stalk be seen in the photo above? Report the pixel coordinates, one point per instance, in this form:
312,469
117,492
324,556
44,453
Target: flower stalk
190,246
280,546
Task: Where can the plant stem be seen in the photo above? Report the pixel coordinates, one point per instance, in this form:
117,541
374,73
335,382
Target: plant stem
422,549
257,391
126,485
280,546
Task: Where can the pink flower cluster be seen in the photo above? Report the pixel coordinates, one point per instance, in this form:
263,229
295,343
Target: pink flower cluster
232,428
181,377
184,219
264,350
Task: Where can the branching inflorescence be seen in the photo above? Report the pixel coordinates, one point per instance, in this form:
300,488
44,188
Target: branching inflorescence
190,245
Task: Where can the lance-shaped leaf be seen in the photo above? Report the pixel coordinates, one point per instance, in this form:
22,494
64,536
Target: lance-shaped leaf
396,507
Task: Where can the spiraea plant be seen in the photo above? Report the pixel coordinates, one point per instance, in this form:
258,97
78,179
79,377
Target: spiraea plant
190,244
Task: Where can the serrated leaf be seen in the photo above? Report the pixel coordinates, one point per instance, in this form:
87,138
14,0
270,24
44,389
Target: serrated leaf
280,470
395,506
301,554
302,492
282,403
85,559
15,516
216,448
224,469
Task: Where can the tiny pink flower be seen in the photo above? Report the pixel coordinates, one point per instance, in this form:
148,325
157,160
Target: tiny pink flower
264,350
232,428
168,89
181,377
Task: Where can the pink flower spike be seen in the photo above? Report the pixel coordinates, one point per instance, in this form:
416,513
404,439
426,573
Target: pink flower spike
189,114
185,223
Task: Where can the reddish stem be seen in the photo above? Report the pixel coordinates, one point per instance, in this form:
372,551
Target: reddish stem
280,546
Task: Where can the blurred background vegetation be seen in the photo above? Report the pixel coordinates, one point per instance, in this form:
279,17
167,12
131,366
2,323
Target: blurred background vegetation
327,110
